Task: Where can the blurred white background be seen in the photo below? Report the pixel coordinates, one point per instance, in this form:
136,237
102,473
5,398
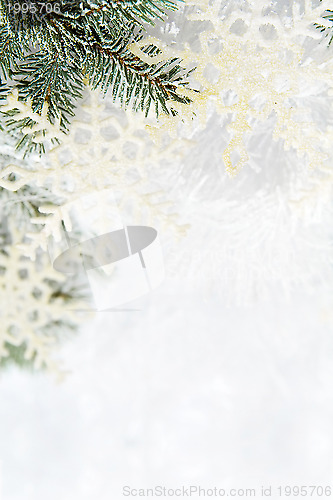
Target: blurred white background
183,391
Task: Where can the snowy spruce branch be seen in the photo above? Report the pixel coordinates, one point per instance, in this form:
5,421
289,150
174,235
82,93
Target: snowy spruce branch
51,55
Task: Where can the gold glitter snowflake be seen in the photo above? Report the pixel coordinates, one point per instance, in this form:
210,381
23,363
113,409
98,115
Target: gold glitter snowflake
33,310
252,62
105,149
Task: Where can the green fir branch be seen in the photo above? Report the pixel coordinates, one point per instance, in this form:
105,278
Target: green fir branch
135,83
47,78
326,30
48,57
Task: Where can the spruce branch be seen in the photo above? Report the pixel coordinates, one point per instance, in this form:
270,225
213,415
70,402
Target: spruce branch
327,26
136,83
50,57
47,78
130,10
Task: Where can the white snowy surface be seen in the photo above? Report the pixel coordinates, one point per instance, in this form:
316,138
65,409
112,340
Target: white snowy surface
184,391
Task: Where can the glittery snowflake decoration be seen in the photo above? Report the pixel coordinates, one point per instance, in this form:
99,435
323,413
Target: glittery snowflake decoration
105,149
35,300
34,130
255,59
38,305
